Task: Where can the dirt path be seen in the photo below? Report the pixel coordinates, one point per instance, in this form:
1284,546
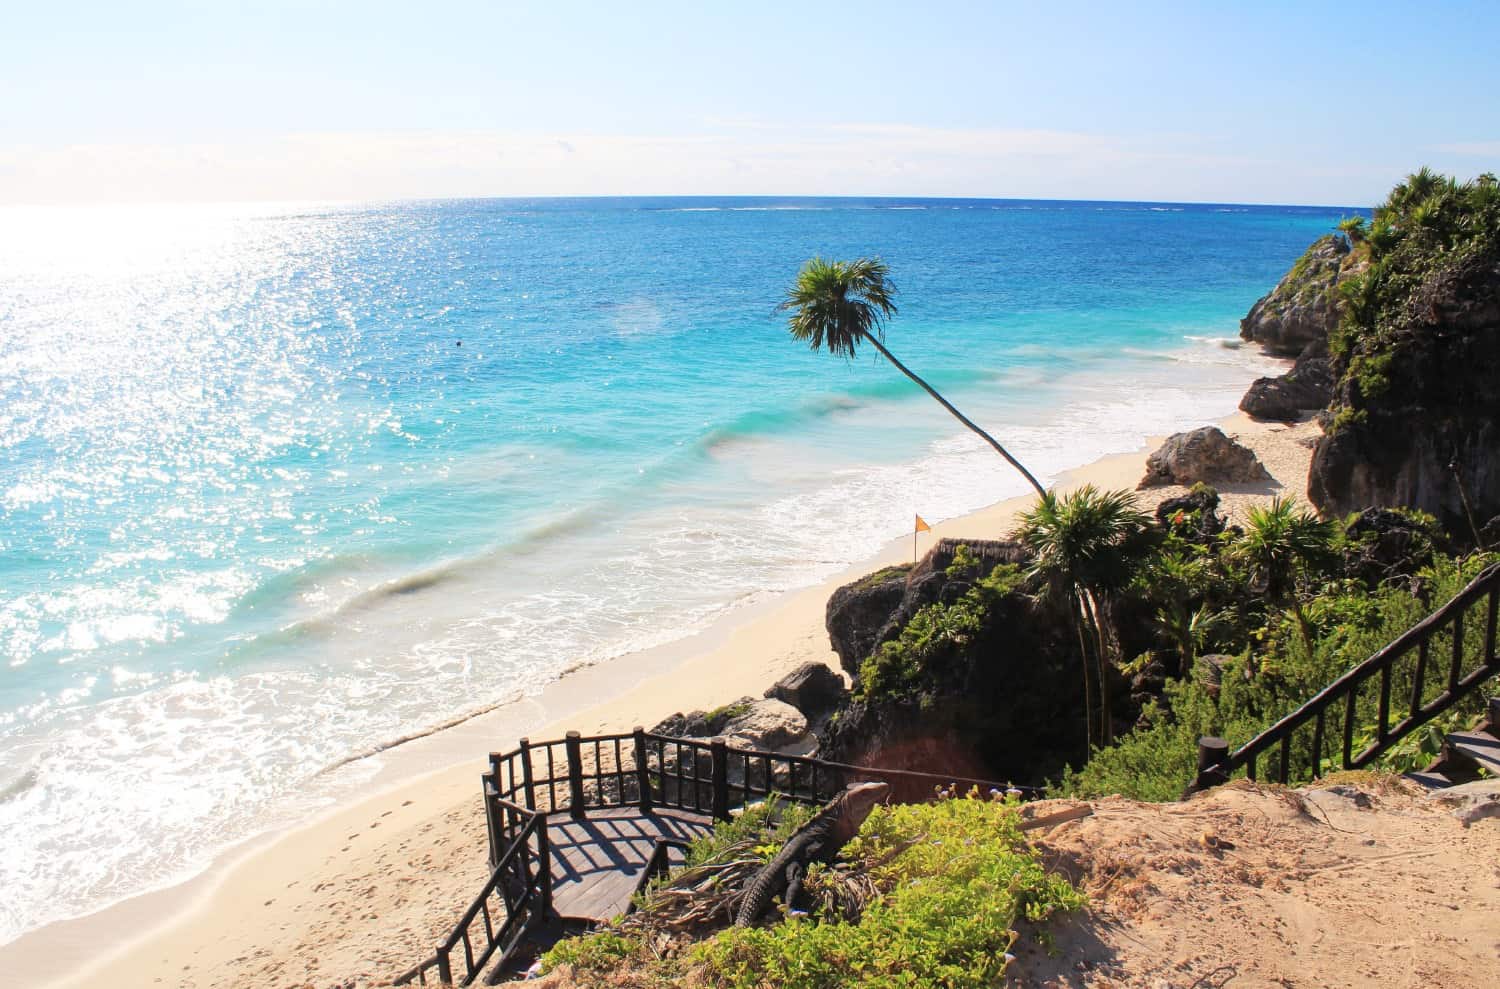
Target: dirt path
1362,885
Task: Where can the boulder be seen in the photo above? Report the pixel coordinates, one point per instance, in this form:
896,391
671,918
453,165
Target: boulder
1303,308
811,688
766,724
1203,455
748,723
1307,387
1194,515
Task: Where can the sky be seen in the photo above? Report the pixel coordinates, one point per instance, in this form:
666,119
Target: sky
1322,103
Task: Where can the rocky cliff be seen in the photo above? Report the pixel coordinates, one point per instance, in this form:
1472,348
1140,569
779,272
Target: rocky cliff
999,697
1417,409
1303,308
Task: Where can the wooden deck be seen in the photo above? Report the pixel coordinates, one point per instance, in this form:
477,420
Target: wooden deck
597,861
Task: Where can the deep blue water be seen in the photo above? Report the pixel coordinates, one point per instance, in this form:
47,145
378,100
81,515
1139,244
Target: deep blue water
281,483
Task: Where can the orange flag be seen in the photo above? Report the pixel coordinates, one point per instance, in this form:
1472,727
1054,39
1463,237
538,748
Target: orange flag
922,525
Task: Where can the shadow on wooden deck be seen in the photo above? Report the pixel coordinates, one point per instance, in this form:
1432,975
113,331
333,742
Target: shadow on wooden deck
597,860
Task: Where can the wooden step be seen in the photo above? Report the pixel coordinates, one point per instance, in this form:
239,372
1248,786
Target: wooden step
1478,746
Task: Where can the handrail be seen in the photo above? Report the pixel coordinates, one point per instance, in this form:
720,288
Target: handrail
519,911
526,784
1216,764
643,769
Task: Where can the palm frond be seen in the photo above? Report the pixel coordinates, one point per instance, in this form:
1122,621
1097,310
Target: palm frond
833,304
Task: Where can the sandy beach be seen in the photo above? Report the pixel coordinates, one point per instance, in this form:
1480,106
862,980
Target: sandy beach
361,893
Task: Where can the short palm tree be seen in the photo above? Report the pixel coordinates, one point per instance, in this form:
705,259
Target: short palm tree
1280,544
1087,545
837,305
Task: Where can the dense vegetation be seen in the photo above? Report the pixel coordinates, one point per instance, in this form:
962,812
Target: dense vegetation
1427,225
943,889
1240,626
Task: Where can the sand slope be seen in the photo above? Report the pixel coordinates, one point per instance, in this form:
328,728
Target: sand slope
1369,885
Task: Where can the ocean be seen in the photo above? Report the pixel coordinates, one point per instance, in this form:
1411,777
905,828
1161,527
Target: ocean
280,484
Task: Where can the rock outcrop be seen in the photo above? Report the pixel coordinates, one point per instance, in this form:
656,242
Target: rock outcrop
873,609
1303,308
811,688
858,615
1382,543
1307,387
1202,455
1194,515
1417,420
1004,703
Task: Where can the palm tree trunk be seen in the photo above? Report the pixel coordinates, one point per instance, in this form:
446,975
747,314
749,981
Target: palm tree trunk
1101,655
957,414
1079,622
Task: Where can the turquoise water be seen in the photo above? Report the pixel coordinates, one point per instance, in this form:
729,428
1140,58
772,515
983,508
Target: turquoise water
281,484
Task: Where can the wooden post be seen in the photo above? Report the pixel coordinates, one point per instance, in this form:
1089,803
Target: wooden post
720,750
642,770
527,780
445,967
1212,754
575,774
491,824
544,862
1494,717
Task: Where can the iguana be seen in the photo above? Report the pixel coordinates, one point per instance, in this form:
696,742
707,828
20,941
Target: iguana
819,840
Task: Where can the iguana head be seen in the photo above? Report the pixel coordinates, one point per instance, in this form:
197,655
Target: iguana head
861,798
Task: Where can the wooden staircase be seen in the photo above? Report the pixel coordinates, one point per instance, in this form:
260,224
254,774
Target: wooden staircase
1465,754
1422,674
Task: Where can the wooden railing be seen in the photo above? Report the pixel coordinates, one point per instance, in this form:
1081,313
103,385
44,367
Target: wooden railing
1422,673
518,894
577,774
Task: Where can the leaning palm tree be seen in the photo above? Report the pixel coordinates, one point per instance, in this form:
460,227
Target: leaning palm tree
1087,545
838,305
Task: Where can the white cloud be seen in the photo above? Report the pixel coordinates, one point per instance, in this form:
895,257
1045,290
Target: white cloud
735,158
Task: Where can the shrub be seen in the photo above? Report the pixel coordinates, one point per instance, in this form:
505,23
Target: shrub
946,915
1348,623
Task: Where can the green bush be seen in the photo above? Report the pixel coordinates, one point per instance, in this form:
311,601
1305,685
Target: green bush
949,883
1277,674
946,916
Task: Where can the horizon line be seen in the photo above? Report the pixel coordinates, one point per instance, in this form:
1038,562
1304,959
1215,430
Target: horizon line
189,203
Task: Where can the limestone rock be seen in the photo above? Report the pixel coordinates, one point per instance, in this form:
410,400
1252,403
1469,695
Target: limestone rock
874,609
1383,543
811,688
1202,455
1303,307
1307,387
857,613
766,724
1425,432
748,723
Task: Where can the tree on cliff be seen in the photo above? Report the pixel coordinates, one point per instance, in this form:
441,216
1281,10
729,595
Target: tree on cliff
1087,545
836,305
